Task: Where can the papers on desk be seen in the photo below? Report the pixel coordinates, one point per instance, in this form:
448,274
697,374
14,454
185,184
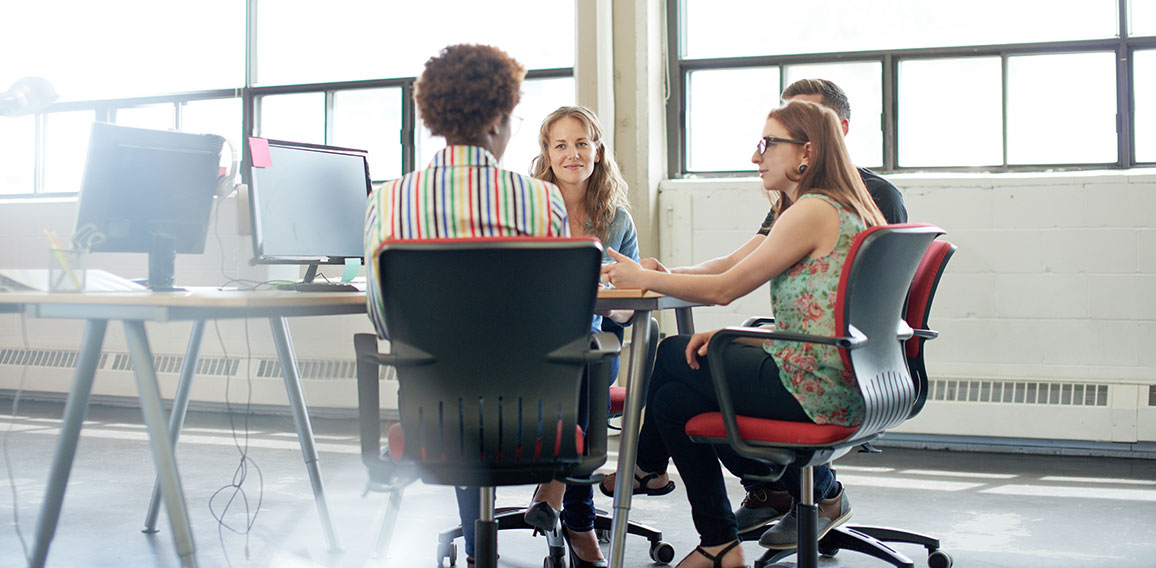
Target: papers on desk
95,280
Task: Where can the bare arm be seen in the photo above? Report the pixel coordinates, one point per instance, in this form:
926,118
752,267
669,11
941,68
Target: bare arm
714,265
808,227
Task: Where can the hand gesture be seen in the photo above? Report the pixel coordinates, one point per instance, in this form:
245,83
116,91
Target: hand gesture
624,272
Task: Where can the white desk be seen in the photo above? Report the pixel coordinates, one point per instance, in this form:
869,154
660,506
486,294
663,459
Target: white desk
135,308
642,303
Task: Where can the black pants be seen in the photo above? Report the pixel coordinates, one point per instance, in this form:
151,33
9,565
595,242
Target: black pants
678,393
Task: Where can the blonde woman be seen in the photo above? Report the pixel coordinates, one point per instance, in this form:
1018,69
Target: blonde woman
574,157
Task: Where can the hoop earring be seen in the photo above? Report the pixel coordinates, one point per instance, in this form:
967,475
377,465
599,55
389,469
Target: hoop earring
802,168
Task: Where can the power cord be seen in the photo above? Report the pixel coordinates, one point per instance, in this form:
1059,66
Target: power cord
8,433
235,489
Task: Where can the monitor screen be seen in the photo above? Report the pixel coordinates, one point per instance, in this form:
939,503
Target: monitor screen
142,185
307,202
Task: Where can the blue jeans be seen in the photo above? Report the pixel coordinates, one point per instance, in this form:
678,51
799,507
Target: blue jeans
678,393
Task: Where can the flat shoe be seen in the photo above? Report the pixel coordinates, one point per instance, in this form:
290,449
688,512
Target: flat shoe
643,487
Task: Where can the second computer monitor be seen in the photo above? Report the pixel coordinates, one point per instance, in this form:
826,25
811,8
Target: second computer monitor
307,203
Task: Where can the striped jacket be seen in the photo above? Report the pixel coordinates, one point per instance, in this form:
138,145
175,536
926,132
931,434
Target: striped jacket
463,193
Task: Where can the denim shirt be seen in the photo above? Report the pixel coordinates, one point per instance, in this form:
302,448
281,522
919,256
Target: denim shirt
621,237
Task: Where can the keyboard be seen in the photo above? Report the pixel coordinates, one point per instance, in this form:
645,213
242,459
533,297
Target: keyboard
319,287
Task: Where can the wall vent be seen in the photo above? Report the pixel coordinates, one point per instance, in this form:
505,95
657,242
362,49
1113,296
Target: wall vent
1023,392
309,368
263,367
62,358
1151,395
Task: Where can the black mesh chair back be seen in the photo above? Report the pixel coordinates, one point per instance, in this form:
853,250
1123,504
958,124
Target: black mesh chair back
490,338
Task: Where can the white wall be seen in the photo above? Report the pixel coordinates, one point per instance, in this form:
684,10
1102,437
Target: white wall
1052,285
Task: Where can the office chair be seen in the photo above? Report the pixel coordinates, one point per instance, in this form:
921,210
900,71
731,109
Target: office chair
873,287
483,403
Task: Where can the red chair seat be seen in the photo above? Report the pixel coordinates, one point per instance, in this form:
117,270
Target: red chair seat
617,400
397,442
710,425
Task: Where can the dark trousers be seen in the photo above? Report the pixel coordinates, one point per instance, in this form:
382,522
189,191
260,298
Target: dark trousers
678,393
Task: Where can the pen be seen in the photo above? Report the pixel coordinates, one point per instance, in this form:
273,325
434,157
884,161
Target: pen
54,243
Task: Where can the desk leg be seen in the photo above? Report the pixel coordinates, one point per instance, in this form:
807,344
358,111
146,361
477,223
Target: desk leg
628,441
74,411
177,417
162,447
301,420
685,321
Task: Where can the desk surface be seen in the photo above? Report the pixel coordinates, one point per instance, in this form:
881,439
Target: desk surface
192,304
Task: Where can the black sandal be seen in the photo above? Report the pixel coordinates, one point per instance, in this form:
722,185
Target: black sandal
643,488
716,559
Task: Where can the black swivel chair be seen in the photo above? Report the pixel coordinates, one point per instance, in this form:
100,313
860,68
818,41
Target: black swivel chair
484,403
871,332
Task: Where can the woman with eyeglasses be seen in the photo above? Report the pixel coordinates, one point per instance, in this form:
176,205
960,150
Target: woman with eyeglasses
822,204
574,157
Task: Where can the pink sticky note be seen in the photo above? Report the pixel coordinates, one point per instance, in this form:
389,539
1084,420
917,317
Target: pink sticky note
259,148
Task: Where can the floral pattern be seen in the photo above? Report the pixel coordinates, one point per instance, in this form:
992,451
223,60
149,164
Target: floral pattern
803,298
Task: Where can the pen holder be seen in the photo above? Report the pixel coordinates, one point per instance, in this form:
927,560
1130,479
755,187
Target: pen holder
66,270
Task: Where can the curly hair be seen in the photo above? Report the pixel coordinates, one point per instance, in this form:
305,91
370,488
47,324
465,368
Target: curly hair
465,88
606,190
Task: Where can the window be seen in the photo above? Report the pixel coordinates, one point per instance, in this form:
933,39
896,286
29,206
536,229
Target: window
304,41
1145,89
1062,109
739,28
17,146
945,127
338,73
126,48
989,93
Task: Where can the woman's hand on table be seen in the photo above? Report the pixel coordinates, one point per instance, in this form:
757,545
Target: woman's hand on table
696,347
624,272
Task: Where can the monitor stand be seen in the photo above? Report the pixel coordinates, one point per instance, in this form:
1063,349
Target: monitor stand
308,285
310,273
162,258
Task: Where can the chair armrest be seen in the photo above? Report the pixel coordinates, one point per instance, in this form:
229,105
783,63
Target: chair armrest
368,406
925,333
856,340
758,321
603,346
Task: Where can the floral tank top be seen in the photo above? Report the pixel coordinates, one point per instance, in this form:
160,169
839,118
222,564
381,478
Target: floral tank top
803,298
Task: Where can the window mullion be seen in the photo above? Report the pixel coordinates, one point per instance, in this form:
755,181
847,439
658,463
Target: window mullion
890,116
1004,103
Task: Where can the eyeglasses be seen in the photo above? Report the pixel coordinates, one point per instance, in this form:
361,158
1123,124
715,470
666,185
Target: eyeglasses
515,124
766,141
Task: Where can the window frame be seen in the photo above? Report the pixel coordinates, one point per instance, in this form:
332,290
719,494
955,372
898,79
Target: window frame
1122,47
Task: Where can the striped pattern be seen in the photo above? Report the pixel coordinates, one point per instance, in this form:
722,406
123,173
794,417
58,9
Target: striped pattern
463,193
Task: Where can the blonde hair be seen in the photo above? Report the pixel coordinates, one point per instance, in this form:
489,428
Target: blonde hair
829,171
605,190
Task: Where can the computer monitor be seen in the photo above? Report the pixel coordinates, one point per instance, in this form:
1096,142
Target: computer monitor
149,191
307,203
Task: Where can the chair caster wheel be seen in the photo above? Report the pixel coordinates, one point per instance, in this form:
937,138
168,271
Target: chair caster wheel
939,559
603,535
551,562
449,552
662,552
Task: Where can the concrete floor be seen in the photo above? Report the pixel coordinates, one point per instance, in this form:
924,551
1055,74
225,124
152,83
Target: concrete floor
989,510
